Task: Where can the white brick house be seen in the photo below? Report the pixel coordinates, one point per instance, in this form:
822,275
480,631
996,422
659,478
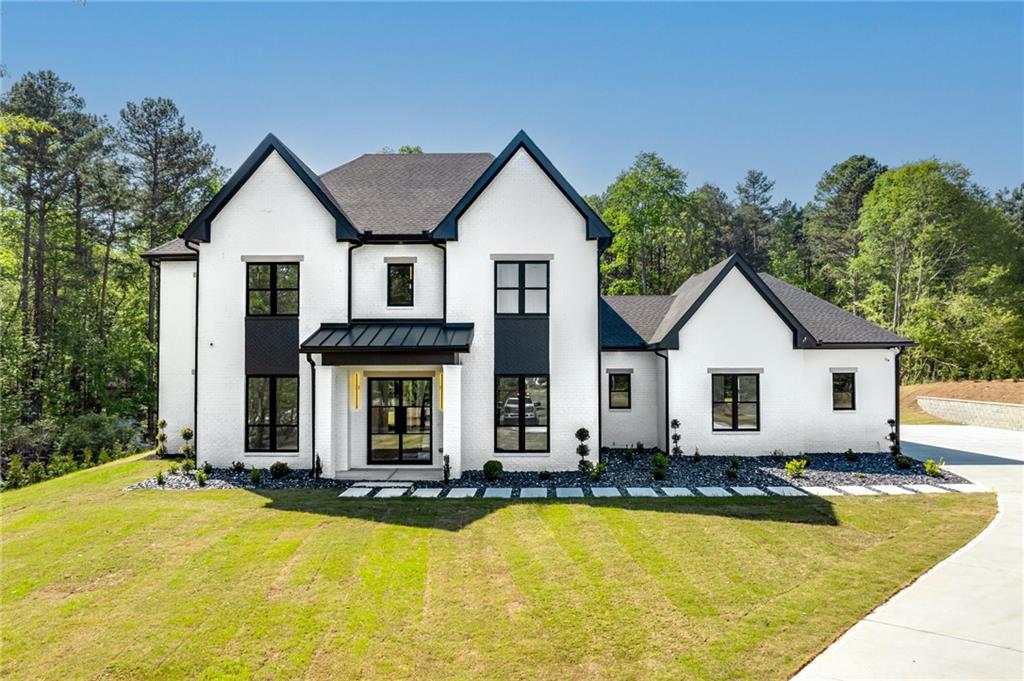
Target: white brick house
401,309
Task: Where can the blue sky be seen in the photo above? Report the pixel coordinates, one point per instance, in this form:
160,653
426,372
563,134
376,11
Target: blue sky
715,89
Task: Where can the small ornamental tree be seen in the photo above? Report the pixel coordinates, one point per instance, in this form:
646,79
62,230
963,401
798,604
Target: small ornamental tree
161,438
186,449
676,437
583,449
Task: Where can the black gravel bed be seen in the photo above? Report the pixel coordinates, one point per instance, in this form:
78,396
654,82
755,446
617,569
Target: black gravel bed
826,470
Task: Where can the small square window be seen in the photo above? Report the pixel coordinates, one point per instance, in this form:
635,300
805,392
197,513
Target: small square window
844,391
619,391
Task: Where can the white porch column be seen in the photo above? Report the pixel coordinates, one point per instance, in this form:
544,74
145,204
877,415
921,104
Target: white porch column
452,417
342,418
324,445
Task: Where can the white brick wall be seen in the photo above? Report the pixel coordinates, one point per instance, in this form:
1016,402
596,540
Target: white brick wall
523,212
176,390
641,422
735,328
272,214
370,275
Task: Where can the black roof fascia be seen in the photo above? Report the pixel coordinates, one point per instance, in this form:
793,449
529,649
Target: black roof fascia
199,228
448,228
864,345
157,256
802,338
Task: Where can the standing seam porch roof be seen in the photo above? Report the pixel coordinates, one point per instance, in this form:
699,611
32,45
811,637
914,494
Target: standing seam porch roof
387,336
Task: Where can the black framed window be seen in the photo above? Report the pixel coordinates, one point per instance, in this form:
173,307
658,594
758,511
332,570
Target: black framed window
521,409
735,402
521,288
844,397
400,286
619,391
272,289
272,413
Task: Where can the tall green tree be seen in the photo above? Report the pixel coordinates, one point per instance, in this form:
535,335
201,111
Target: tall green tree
644,208
749,232
173,175
788,253
831,228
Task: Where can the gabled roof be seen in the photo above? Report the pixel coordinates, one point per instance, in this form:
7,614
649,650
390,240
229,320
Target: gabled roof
828,324
630,321
448,228
403,194
815,323
175,249
199,228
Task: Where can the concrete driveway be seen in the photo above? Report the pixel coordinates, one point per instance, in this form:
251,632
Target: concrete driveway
962,619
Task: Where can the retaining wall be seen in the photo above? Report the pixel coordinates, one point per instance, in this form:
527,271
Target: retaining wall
974,412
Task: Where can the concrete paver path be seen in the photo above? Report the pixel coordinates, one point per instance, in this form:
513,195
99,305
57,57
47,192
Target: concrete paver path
962,619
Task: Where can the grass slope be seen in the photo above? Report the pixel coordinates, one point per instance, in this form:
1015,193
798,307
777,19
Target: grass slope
97,582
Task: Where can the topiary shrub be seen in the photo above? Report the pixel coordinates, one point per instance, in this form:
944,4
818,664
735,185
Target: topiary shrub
279,469
493,470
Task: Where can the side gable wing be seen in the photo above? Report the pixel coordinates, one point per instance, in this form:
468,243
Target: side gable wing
668,334
199,228
448,228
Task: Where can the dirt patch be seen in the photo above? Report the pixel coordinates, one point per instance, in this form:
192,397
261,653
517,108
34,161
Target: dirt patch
987,391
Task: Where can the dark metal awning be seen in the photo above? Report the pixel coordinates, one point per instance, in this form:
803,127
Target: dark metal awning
368,338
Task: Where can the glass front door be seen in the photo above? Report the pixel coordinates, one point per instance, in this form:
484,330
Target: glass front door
400,410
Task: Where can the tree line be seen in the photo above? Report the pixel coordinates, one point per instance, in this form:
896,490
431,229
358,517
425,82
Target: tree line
918,249
82,197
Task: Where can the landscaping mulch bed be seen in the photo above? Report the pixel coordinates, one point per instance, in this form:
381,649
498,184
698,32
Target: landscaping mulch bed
827,470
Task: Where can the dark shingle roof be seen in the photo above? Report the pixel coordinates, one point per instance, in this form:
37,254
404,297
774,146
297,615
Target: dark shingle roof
639,314
390,336
174,249
684,298
403,193
827,322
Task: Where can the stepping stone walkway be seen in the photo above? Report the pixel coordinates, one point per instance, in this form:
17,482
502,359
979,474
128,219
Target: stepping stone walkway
822,491
388,492
677,492
605,492
714,491
461,493
786,491
356,492
749,492
967,488
428,493
928,489
568,492
533,493
641,492
856,490
891,489
383,483
498,493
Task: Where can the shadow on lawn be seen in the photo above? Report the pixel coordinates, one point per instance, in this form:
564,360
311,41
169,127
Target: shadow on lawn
455,514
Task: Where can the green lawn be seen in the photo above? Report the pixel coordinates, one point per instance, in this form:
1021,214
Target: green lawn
97,582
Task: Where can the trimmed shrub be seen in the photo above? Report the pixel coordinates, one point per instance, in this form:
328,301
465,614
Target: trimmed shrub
238,466
173,469
201,478
493,470
160,480
851,455
15,477
207,467
544,475
586,467
36,472
696,453
934,469
255,477
598,471
659,467
903,462
279,469
795,467
187,466
104,457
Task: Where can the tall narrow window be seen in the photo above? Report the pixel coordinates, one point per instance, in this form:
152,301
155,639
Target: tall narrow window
619,388
521,288
272,413
843,391
735,402
272,289
400,286
521,414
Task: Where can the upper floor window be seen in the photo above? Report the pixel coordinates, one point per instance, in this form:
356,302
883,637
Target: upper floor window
843,391
400,286
272,289
735,401
521,288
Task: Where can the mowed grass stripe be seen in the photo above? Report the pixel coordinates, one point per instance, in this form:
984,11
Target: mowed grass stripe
300,584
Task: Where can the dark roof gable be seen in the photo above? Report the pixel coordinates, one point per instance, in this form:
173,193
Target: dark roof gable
199,228
449,227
